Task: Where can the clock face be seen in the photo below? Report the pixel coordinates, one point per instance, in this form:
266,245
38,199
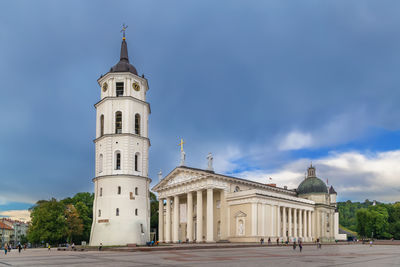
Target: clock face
105,87
136,86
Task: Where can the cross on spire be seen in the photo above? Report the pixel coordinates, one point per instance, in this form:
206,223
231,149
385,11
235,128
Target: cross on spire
181,144
123,30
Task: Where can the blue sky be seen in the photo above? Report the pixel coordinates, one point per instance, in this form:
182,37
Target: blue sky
266,86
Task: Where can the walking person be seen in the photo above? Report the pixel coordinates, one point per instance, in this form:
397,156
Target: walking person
101,246
370,243
277,242
300,246
262,241
49,247
269,241
19,247
294,245
5,249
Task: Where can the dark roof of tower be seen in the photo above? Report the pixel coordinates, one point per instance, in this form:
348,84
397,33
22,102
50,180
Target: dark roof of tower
312,184
332,190
123,65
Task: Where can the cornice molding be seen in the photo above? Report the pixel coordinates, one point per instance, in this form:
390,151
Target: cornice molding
111,176
122,134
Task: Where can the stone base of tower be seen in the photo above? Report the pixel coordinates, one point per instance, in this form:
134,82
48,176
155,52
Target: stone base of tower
121,210
118,234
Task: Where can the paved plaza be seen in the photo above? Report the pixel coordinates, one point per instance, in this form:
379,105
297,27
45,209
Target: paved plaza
345,255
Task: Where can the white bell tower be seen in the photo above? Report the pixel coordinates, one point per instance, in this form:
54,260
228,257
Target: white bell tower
121,208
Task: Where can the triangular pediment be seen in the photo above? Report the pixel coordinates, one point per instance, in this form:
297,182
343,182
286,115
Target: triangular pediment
179,176
240,214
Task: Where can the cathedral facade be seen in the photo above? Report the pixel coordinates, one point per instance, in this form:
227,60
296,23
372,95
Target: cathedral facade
197,205
121,208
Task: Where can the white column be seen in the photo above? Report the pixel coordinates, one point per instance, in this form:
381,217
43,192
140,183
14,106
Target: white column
300,223
309,226
175,231
295,223
189,213
272,220
284,223
305,224
210,216
278,221
161,220
254,219
290,234
263,221
199,216
168,221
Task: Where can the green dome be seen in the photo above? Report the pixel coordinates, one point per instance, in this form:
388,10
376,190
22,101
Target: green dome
312,185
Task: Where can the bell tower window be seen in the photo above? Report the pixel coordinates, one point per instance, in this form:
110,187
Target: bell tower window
137,124
101,125
137,162
119,89
101,163
118,122
118,160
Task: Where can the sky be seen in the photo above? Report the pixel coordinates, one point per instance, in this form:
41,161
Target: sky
267,86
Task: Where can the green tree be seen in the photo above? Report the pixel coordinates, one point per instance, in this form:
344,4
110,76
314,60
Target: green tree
85,214
48,222
153,212
363,219
74,223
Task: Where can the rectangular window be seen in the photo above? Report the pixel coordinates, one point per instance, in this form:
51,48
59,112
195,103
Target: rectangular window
119,87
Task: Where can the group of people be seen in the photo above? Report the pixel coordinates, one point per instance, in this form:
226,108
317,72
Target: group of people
7,247
295,243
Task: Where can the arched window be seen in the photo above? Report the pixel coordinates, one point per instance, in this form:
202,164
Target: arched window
136,191
101,191
119,190
117,160
101,163
136,212
102,125
117,212
118,122
137,162
99,213
137,124
237,189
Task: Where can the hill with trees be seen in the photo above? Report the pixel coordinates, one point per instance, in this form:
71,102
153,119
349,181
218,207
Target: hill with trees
371,219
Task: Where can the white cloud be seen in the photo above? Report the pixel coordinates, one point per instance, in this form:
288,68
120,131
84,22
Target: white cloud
296,140
22,215
341,128
355,175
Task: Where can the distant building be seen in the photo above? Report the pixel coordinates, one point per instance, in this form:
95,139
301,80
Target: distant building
6,233
19,229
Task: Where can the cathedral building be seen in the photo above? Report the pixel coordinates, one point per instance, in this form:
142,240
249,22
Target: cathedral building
121,208
197,205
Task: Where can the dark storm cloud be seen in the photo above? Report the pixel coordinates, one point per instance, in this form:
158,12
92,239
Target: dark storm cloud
225,75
